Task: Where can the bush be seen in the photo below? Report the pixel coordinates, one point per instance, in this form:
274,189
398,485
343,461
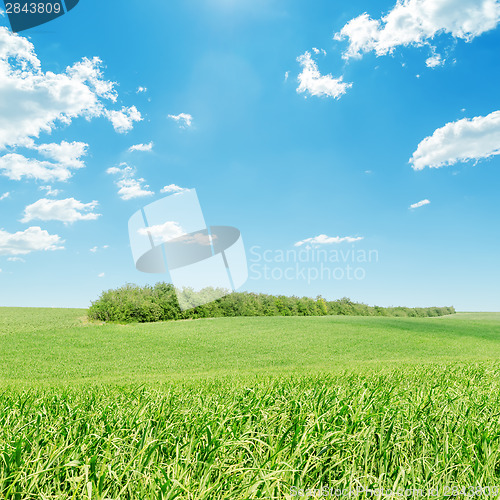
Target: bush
131,303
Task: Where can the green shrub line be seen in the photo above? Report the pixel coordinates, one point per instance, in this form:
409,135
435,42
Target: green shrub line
136,304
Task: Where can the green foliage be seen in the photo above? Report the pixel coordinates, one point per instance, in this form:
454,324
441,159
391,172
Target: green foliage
132,303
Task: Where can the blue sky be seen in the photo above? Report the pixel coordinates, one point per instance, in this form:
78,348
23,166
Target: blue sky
286,130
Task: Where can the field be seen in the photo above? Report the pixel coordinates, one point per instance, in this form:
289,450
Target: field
234,408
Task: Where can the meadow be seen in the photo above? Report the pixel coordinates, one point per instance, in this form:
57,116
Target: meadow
235,408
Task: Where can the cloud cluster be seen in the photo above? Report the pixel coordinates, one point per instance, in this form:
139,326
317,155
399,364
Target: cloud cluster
50,98
417,22
128,186
66,157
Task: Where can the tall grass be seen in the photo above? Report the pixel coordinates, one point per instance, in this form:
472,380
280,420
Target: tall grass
254,438
132,303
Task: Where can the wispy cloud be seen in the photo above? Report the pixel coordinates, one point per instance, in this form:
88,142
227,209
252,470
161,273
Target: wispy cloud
323,239
49,191
3,196
172,188
184,120
419,204
96,248
141,147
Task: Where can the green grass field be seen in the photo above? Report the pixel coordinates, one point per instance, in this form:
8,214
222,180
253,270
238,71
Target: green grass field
235,408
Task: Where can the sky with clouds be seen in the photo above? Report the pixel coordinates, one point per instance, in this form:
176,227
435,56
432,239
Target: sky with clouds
354,128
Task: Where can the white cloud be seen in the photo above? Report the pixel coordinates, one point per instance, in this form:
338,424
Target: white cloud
49,191
32,239
141,90
16,166
15,259
416,22
141,147
68,154
163,232
184,119
286,76
311,80
128,186
123,120
48,98
171,230
101,275
318,51
3,196
419,204
68,210
96,248
460,141
172,188
434,61
323,239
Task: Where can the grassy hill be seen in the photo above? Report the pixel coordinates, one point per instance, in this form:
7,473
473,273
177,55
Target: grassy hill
243,408
56,346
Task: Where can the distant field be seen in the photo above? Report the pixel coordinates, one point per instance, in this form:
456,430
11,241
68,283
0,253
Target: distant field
244,408
56,346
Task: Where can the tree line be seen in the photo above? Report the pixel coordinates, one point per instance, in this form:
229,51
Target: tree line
132,303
